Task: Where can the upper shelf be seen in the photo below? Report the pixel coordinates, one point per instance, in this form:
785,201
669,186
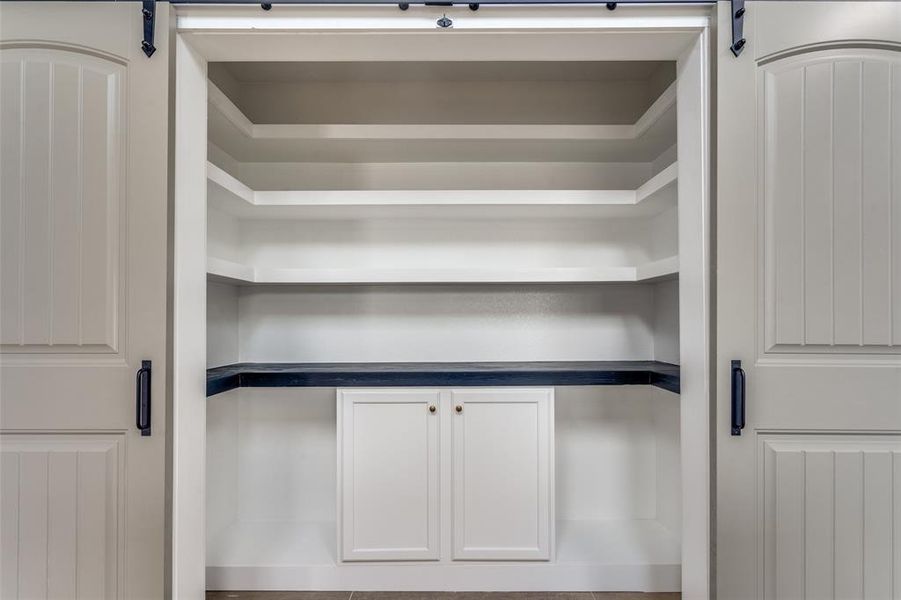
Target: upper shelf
641,141
232,196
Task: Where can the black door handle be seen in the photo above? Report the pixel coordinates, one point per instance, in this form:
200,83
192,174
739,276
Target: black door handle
142,398
738,397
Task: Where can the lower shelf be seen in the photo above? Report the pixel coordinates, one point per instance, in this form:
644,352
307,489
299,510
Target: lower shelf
627,555
225,270
541,373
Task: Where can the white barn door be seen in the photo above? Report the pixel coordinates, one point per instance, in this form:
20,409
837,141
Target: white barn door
809,300
83,196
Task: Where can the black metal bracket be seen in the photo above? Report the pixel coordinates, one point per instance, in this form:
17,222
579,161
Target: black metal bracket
738,26
148,11
738,397
142,398
405,5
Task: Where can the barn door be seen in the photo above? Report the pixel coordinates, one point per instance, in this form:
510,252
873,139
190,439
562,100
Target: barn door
83,194
809,300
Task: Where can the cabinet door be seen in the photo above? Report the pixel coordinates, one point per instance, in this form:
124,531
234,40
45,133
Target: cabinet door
503,474
388,448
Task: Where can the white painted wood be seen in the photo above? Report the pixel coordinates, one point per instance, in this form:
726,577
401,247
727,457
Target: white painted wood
62,518
388,474
83,263
232,196
818,201
827,200
847,185
804,161
62,232
694,72
503,473
878,235
466,175
33,522
436,249
819,524
895,168
878,511
848,544
220,33
189,324
779,33
827,501
62,501
239,272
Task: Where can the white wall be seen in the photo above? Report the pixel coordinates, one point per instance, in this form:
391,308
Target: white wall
446,323
221,324
443,92
222,454
666,321
287,454
605,455
272,455
450,243
668,459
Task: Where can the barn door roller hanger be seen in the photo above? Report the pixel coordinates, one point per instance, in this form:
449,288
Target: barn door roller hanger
738,26
148,11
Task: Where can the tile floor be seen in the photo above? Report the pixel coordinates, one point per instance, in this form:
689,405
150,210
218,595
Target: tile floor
439,596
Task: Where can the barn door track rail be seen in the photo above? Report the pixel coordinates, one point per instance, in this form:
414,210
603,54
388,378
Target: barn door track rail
149,11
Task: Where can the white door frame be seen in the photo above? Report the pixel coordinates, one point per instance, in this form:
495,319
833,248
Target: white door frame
311,32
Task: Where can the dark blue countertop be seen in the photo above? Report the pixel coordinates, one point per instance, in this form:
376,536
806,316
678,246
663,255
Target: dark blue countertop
551,373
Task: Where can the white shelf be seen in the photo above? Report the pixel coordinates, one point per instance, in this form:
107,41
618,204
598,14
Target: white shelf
642,140
232,271
230,195
623,555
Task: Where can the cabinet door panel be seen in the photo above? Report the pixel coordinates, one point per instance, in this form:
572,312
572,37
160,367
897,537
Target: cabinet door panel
389,474
502,474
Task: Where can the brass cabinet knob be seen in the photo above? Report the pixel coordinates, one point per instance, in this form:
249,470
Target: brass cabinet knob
432,408
459,408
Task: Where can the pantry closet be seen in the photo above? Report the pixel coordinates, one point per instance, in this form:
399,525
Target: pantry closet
445,303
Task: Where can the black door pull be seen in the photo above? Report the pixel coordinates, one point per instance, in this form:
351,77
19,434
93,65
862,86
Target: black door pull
738,397
142,398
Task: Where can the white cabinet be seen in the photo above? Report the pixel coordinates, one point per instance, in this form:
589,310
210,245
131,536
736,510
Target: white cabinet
500,456
502,474
388,461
